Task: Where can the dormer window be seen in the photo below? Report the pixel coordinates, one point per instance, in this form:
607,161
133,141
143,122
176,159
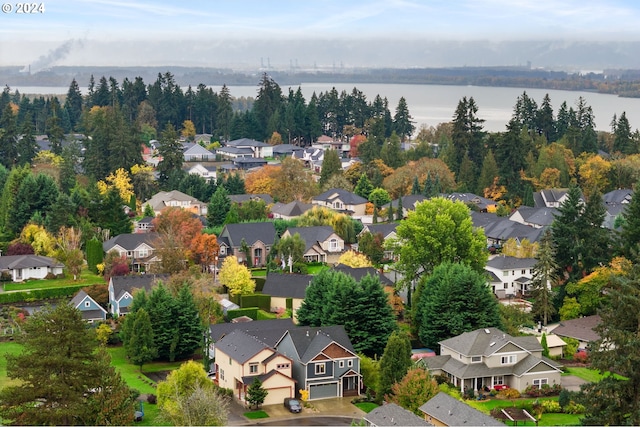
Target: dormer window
476,359
509,360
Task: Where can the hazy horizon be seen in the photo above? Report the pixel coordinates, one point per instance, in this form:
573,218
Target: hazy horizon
251,34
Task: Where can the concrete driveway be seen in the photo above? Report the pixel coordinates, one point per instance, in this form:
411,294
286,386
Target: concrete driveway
571,382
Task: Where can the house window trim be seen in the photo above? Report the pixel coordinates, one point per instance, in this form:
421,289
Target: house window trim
473,359
511,359
341,364
540,382
283,366
321,368
349,363
253,368
498,380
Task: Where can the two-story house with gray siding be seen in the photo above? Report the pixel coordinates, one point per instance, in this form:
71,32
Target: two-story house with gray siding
324,361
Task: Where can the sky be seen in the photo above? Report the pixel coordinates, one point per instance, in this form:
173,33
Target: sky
144,32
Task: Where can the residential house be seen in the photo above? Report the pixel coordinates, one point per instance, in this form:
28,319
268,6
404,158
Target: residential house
551,198
534,217
175,198
268,331
91,311
207,172
358,273
25,267
390,414
555,344
241,358
246,163
258,149
258,236
122,290
511,275
324,361
234,152
325,142
615,202
490,358
197,153
290,210
143,225
408,203
498,230
287,150
581,329
204,138
287,291
139,249
445,410
341,201
475,202
322,244
388,232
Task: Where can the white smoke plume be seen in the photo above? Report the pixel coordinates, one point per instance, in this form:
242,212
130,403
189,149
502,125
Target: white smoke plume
54,55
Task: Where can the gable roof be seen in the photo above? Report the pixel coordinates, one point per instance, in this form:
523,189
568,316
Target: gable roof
385,229
284,149
453,412
251,232
246,142
130,241
241,198
503,229
122,284
358,273
312,235
268,331
503,262
542,216
391,414
195,149
346,197
295,208
487,341
240,346
287,285
580,328
98,312
309,341
471,199
16,262
617,197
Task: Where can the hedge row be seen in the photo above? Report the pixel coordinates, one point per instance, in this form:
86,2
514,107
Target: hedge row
39,294
251,312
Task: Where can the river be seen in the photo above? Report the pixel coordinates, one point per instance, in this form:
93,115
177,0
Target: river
433,104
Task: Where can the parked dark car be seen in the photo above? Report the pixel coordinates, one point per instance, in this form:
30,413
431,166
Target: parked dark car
293,405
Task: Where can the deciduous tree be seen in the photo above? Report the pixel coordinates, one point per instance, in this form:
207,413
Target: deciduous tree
354,259
236,277
413,390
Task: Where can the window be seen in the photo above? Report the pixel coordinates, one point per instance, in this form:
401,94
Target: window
253,368
87,304
223,250
320,368
513,272
282,366
523,272
222,374
143,253
505,273
349,363
129,254
337,205
341,364
499,380
509,360
476,359
541,381
506,286
230,362
333,244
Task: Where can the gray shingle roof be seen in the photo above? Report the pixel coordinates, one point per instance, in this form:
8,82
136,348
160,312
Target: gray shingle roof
312,235
130,241
347,197
287,285
295,208
361,272
384,229
391,414
453,412
241,198
503,262
580,329
251,232
240,346
246,142
310,341
487,341
268,331
14,262
122,284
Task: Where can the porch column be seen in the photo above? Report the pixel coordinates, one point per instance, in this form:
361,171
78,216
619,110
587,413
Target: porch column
462,386
492,383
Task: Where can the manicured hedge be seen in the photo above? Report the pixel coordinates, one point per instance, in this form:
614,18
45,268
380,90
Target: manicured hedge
39,294
251,312
260,281
256,300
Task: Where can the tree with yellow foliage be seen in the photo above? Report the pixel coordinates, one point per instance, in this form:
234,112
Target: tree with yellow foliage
594,172
188,130
354,259
42,242
121,181
261,181
236,277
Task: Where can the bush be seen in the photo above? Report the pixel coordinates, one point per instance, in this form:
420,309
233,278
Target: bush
574,408
509,393
152,399
441,379
564,398
545,390
581,357
299,268
551,407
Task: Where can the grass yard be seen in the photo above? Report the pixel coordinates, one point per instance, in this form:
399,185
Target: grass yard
315,269
86,278
546,420
7,347
590,375
366,406
254,415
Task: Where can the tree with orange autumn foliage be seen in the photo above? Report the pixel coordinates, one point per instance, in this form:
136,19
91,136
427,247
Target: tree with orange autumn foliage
261,181
205,250
181,224
354,143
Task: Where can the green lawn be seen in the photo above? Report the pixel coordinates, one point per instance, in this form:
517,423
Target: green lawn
254,415
590,375
7,347
546,420
315,269
86,278
366,406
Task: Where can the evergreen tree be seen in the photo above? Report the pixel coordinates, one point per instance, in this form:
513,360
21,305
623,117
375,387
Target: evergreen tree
256,393
403,124
390,216
218,207
58,346
623,141
399,210
140,347
394,363
73,104
544,278
112,215
8,138
363,187
415,189
331,165
488,173
545,121
391,153
453,300
545,346
190,329
61,214
26,146
630,233
170,150
94,254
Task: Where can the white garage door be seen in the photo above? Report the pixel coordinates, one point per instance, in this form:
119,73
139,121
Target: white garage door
276,396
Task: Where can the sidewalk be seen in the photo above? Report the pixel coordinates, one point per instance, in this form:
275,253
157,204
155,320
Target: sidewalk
338,407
